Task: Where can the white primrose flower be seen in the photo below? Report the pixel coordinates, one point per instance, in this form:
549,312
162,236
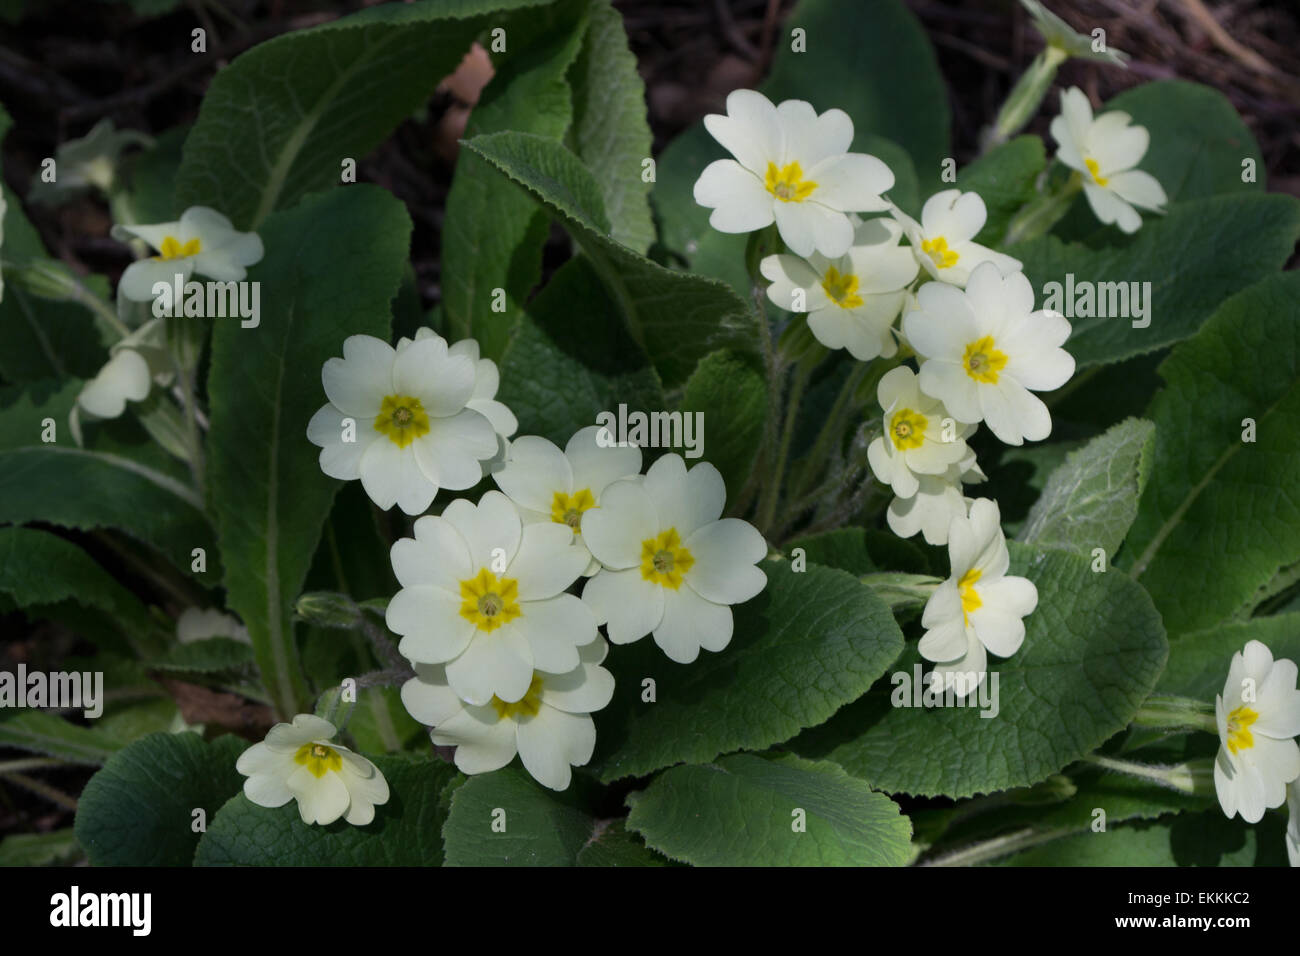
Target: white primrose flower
915,441
1293,822
135,363
671,567
938,499
980,608
981,350
942,241
399,420
793,167
851,301
1065,38
483,593
300,761
1106,150
1258,715
547,484
550,727
202,241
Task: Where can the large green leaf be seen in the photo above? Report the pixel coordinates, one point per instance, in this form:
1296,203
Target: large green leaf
139,810
492,237
267,489
45,733
1198,662
1194,258
676,318
809,643
138,488
1093,650
610,132
1092,498
505,818
562,369
748,810
729,391
277,123
405,831
612,846
1221,515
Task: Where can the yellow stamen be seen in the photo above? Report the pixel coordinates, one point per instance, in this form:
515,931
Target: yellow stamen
568,509
1239,735
1095,171
664,561
403,419
983,361
970,598
318,759
907,429
526,706
938,251
842,287
171,248
787,183
488,601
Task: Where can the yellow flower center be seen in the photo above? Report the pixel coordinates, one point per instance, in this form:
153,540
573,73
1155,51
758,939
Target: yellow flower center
938,251
970,598
787,183
171,248
318,759
907,429
526,706
1239,735
568,509
664,560
488,601
403,419
983,361
1095,171
842,287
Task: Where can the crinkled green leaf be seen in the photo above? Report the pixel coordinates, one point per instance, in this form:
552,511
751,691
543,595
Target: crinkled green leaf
505,818
1199,661
612,846
809,643
730,392
748,810
843,548
1221,515
212,655
1093,649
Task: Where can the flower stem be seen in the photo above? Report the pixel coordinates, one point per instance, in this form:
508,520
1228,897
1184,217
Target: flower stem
1026,96
1177,713
1038,216
776,476
1194,777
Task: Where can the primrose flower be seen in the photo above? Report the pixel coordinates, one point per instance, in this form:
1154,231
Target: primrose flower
851,301
550,727
202,241
300,761
133,366
671,567
1105,151
793,167
943,240
399,420
916,440
938,499
1065,38
980,607
1258,715
984,348
547,484
483,593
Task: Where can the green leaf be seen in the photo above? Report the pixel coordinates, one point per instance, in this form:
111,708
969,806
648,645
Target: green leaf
56,848
1092,498
809,643
561,369
492,237
676,318
278,122
267,489
213,655
610,132
1194,257
505,818
1198,662
612,846
1222,515
1093,650
746,810
843,548
138,489
405,831
151,178
730,392
139,809
45,733
1004,178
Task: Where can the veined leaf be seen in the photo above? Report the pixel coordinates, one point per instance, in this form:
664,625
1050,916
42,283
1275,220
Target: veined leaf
505,818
